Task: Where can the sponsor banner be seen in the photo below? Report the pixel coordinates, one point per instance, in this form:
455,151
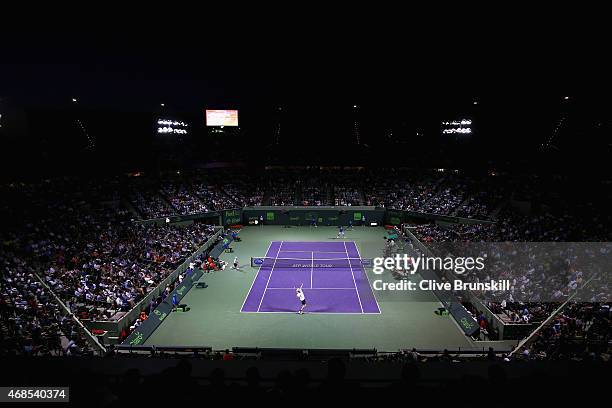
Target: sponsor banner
232,217
144,331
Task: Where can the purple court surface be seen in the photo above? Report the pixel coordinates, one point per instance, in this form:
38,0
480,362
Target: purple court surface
332,275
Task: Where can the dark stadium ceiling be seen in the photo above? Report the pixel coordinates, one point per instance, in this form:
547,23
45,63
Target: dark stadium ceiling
191,70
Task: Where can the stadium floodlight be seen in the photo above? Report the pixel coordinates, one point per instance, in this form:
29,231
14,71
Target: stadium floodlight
457,130
162,104
172,126
74,100
168,129
461,126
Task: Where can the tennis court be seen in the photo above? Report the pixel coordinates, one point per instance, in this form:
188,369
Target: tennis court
222,315
331,274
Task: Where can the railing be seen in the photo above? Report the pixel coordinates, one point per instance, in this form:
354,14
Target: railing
174,218
507,331
313,207
297,354
529,339
440,217
92,339
495,321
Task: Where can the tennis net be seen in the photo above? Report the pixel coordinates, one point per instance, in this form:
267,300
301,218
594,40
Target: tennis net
310,262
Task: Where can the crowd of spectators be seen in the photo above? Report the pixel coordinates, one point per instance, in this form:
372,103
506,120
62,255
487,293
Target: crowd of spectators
150,204
203,261
116,270
481,204
85,246
244,192
212,196
282,190
314,191
512,226
402,191
581,331
32,323
529,262
544,271
347,195
143,195
437,192
87,250
182,199
449,195
187,194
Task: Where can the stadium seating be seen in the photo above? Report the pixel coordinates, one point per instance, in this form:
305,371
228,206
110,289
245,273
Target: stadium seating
82,241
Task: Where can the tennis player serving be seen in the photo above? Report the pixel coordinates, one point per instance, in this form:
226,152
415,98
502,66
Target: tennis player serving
300,295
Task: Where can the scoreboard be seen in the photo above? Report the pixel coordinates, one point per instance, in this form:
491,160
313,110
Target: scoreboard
221,117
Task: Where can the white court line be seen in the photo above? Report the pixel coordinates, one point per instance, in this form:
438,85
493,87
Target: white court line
319,252
271,271
313,289
306,259
252,283
307,313
352,274
368,279
311,270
